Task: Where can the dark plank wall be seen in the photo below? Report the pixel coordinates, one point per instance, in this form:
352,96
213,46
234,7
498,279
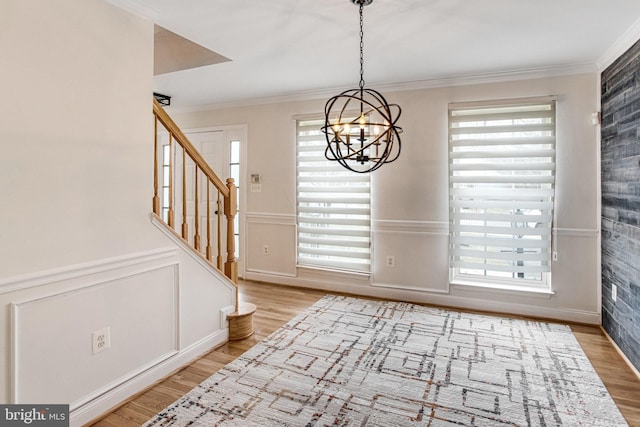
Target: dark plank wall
621,202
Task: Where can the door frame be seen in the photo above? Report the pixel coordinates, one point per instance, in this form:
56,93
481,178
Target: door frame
242,132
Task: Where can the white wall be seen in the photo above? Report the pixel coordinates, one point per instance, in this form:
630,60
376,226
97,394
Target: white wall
78,250
72,136
410,196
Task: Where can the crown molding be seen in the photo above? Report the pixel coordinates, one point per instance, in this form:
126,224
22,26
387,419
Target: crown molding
495,77
620,46
462,80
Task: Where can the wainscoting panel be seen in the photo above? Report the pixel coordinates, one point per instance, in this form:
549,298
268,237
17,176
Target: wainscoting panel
52,335
271,244
418,251
620,157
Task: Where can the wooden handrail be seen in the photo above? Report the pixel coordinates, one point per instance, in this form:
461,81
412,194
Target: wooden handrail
181,139
226,196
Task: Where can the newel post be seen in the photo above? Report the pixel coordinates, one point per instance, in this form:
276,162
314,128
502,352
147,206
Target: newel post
240,321
230,211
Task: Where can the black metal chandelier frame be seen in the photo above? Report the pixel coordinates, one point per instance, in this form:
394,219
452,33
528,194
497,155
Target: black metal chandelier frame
378,140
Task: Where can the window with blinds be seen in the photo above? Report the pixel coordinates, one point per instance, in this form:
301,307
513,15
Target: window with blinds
501,192
333,212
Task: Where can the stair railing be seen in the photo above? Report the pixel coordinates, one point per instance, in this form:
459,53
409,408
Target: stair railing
180,168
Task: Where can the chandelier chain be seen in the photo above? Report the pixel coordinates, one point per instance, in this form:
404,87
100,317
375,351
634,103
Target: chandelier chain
361,47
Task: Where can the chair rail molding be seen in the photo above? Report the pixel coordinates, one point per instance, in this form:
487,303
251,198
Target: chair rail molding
270,218
42,278
410,226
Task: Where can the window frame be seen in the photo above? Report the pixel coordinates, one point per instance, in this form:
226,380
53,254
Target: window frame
310,250
460,273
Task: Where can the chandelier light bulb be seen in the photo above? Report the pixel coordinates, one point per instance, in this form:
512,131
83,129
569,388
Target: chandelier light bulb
362,121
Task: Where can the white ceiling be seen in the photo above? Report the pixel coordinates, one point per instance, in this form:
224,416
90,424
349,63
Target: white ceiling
285,48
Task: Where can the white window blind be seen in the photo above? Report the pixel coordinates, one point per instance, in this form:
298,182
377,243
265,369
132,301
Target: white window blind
333,207
501,188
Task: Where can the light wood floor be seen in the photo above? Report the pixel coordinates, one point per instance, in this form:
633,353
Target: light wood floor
278,304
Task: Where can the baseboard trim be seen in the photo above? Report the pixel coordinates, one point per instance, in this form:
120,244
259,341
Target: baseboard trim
364,288
620,352
96,408
410,288
256,272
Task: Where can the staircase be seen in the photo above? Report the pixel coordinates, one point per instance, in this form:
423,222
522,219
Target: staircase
198,207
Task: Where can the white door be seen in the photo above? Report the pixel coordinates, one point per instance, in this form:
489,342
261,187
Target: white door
221,149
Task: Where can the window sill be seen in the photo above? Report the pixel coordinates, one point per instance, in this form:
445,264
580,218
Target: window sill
504,289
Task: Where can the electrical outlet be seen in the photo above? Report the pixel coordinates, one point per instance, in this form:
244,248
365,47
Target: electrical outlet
265,249
101,340
614,292
391,261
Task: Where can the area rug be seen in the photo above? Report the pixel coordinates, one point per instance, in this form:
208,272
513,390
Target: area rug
355,362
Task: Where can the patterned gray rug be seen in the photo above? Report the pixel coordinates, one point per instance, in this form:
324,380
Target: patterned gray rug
355,362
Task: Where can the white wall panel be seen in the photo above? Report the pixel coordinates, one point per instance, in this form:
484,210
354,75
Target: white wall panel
420,252
277,234
52,336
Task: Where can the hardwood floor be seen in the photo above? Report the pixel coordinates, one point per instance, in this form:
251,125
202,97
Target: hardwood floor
278,304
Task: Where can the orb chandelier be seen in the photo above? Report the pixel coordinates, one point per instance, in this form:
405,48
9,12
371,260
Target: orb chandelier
360,125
